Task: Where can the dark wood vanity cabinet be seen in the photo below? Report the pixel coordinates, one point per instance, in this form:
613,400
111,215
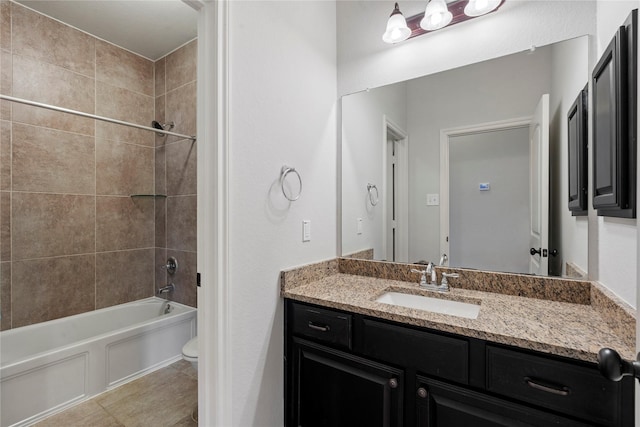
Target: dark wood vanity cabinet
345,369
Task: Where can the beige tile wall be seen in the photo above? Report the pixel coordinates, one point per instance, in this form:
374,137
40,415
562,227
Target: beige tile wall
71,237
175,89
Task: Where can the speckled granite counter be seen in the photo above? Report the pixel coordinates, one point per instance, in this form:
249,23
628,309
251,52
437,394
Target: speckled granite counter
575,330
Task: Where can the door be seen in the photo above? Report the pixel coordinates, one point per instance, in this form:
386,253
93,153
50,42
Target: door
391,199
395,193
338,389
539,189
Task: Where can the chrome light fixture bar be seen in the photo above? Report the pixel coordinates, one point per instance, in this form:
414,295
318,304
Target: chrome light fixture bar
439,13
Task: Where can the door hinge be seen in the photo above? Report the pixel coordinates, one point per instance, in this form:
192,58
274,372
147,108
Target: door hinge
198,282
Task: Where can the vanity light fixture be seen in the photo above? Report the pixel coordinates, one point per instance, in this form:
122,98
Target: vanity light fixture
437,14
480,7
397,29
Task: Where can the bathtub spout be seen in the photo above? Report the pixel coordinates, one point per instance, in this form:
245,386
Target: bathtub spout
169,288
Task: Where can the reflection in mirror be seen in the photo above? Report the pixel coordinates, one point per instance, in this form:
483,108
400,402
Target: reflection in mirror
466,165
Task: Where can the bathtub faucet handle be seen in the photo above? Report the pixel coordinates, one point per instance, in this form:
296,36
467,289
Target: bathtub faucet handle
171,266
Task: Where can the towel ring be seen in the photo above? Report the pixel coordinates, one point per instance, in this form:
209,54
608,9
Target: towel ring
370,188
286,170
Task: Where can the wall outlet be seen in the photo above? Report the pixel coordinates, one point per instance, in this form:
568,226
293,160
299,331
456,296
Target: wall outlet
433,199
359,228
306,230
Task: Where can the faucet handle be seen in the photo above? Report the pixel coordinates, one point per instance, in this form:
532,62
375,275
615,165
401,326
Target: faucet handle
423,279
445,276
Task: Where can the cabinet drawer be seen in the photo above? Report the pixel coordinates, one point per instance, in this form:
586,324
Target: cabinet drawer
328,326
432,354
571,389
442,404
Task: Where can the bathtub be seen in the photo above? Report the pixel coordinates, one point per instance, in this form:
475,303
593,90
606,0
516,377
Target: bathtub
47,367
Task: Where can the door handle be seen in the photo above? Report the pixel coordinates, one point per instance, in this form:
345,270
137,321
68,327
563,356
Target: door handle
614,367
534,251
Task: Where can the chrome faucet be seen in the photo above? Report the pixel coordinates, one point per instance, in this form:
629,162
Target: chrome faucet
443,260
429,281
428,275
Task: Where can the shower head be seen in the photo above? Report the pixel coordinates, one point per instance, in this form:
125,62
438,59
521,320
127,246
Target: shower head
160,126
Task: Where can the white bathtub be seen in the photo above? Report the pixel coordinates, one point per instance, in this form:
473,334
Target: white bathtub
49,366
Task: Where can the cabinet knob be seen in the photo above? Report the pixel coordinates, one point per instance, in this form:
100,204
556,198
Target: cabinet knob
393,383
422,392
614,367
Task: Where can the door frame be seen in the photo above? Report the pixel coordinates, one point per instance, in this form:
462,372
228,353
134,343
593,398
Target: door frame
445,135
214,314
402,188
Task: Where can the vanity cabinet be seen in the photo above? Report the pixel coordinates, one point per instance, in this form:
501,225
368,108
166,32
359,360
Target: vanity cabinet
347,369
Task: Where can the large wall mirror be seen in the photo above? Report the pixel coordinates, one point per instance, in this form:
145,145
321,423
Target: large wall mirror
471,163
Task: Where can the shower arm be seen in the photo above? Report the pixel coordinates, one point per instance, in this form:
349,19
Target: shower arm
92,116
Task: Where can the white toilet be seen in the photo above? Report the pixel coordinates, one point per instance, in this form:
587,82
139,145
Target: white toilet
190,352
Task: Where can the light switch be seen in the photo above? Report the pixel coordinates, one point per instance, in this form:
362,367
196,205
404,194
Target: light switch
359,229
433,199
306,230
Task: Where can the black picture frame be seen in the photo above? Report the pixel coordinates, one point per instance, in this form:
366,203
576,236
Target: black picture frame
577,121
614,82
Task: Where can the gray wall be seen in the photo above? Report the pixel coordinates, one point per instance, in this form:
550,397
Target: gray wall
490,229
501,89
363,142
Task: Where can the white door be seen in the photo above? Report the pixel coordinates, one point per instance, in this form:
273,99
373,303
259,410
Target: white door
395,193
539,192
390,199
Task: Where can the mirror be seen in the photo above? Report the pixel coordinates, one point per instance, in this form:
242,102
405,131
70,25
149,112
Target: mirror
443,164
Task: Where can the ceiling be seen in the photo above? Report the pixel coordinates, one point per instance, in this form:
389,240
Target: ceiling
151,28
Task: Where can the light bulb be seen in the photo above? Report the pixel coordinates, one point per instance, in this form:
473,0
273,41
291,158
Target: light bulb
397,29
480,7
436,15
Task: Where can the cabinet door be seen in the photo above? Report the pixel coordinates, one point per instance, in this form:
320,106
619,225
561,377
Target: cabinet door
338,389
444,405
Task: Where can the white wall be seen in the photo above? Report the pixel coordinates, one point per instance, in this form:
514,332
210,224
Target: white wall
617,238
570,73
365,61
282,96
500,89
363,142
490,229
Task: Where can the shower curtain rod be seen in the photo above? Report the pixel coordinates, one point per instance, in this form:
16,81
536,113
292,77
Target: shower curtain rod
92,116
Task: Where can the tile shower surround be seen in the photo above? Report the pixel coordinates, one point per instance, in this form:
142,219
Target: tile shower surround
71,238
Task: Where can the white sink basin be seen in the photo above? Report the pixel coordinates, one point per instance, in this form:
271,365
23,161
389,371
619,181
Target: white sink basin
435,305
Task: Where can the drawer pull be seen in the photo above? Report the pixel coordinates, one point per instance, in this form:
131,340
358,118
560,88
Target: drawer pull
393,383
321,328
553,389
422,392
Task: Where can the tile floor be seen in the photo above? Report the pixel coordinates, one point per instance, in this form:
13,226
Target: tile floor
164,398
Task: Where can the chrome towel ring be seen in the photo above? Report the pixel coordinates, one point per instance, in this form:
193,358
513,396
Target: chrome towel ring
372,199
286,170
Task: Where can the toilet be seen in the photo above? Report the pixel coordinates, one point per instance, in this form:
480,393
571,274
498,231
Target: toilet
190,352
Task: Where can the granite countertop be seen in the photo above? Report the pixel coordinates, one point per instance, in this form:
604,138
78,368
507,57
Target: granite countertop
567,329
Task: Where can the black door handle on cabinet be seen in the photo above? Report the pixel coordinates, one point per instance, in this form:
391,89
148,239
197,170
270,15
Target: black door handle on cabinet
321,328
534,251
614,367
559,390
